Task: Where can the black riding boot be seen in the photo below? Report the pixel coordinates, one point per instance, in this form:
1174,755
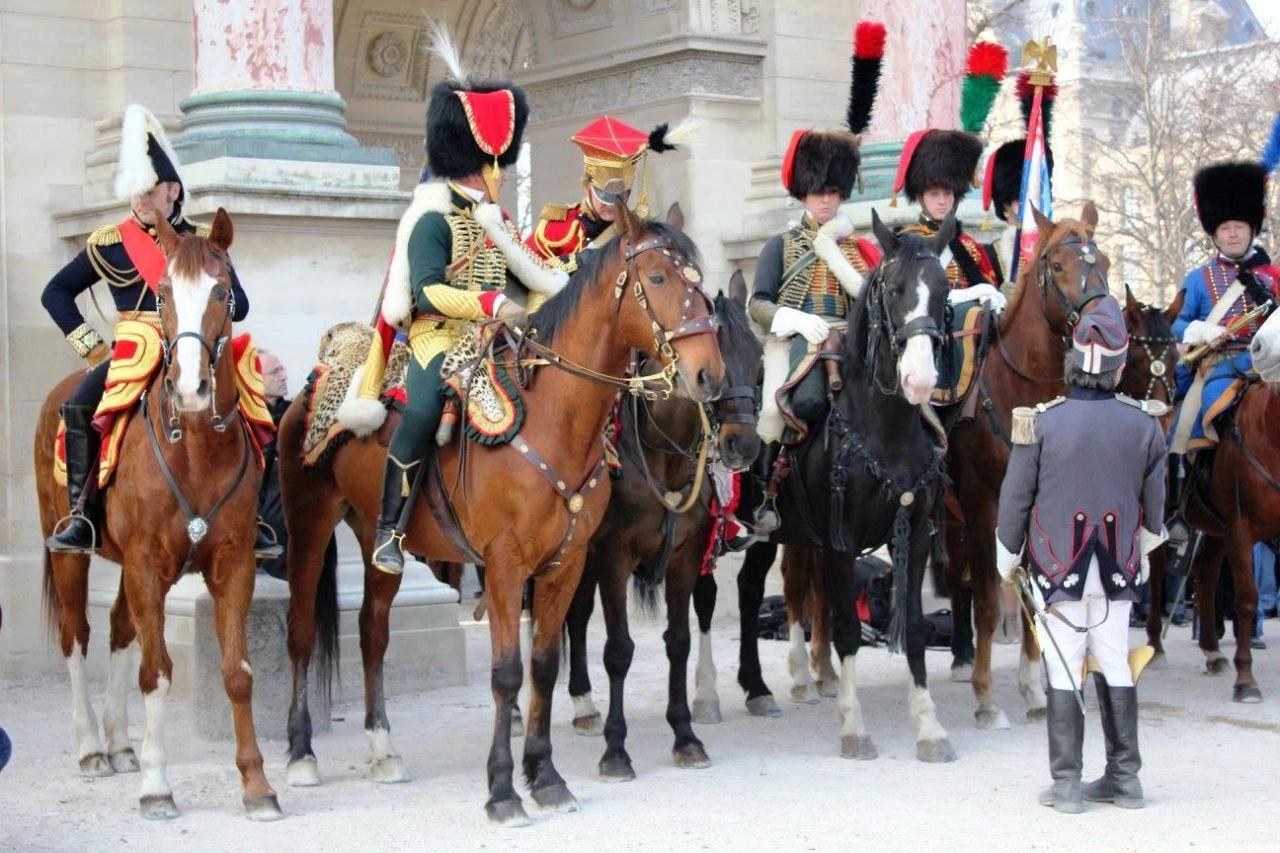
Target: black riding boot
1066,743
396,482
766,514
78,537
1118,707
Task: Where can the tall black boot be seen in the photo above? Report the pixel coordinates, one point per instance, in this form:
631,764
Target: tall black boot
397,479
1120,783
1066,742
765,517
79,535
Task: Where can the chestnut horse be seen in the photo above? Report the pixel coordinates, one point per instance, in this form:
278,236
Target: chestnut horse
643,536
180,469
528,507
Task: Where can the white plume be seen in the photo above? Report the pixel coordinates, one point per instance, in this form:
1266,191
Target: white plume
442,46
687,131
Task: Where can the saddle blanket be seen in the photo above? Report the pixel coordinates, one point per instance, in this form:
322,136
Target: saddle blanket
474,377
958,367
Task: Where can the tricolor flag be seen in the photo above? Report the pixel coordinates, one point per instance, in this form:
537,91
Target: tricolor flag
1037,187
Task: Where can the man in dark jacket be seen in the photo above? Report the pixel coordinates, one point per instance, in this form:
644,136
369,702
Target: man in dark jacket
1083,500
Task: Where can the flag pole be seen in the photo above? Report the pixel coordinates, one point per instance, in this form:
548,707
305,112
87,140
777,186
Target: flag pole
1045,56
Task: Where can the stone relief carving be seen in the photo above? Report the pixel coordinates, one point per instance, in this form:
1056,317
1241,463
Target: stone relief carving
394,65
652,7
495,45
388,54
734,17
408,146
572,17
690,74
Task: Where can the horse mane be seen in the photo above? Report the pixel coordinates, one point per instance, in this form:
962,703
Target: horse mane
732,316
559,309
191,256
1075,227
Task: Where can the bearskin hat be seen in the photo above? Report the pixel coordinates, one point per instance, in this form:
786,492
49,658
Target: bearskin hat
942,158
455,126
1006,174
1235,190
817,159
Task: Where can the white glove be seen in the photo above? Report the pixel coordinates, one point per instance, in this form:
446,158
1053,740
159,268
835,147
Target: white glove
1006,560
988,294
1200,332
1144,570
789,321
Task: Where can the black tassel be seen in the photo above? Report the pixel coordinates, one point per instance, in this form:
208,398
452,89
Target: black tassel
658,140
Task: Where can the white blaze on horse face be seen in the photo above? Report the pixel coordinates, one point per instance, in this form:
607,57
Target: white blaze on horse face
916,370
190,299
1265,349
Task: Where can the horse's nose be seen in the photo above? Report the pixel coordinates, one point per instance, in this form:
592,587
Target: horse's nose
202,389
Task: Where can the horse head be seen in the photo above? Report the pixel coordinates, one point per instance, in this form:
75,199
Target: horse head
1153,352
736,408
196,303
905,305
1070,270
1265,350
660,305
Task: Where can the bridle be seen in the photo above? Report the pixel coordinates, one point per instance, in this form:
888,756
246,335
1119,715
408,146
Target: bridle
213,350
881,324
1156,348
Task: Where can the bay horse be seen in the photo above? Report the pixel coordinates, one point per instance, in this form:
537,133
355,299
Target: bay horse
641,290
187,502
1243,496
1067,273
646,537
871,475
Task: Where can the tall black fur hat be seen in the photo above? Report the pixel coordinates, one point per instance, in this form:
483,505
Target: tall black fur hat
938,158
817,159
1233,190
1006,174
465,120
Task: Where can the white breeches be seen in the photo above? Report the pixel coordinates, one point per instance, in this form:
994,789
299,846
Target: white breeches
777,362
1107,639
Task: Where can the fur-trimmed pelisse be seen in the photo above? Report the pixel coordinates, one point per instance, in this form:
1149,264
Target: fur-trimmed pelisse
1007,179
452,151
943,158
1235,190
824,158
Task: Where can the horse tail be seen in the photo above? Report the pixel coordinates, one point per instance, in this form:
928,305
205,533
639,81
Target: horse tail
326,617
646,582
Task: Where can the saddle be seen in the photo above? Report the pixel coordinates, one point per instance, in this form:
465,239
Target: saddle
971,331
483,376
803,398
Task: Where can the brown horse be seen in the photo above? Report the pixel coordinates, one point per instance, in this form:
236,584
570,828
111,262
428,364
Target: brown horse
1243,497
523,508
153,531
1065,275
645,538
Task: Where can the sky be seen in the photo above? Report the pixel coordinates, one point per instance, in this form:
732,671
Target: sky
1268,12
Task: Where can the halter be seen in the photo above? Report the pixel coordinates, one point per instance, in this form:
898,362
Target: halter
1156,348
214,351
1088,253
881,324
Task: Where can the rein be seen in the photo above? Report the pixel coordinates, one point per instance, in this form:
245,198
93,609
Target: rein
214,351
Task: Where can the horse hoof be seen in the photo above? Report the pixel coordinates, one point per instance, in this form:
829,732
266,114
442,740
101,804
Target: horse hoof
263,809
517,725
1249,694
95,764
617,769
763,706
691,757
829,688
555,798
592,724
804,694
859,747
1215,666
158,808
124,761
1037,714
303,773
962,672
991,719
935,751
507,812
707,711
388,771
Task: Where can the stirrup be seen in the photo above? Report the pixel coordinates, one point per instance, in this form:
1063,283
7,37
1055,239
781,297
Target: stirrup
60,527
394,540
269,551
766,516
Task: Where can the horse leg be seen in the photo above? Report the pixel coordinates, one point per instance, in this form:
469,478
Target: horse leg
230,582
706,699
682,576
1030,685
586,718
385,763
820,635
1240,556
932,743
552,596
615,764
1208,567
961,594
71,583
855,742
115,717
1155,602
504,588
755,566
145,593
986,595
796,566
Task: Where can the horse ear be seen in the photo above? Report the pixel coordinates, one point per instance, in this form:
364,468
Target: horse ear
675,216
1131,304
1089,216
221,233
167,237
946,233
738,288
1171,313
884,234
626,222
1043,223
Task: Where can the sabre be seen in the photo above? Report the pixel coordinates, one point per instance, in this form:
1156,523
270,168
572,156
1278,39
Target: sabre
1234,326
1029,604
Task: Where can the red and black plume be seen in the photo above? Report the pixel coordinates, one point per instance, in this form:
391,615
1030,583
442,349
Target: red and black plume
1026,93
868,51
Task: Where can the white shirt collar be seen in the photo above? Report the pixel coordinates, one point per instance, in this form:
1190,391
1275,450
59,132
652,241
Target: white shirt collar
476,195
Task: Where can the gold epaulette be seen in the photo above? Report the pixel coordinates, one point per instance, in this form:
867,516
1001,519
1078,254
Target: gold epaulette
1154,408
1023,431
551,210
107,235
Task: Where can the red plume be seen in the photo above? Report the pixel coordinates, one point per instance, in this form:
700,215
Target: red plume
868,40
988,59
